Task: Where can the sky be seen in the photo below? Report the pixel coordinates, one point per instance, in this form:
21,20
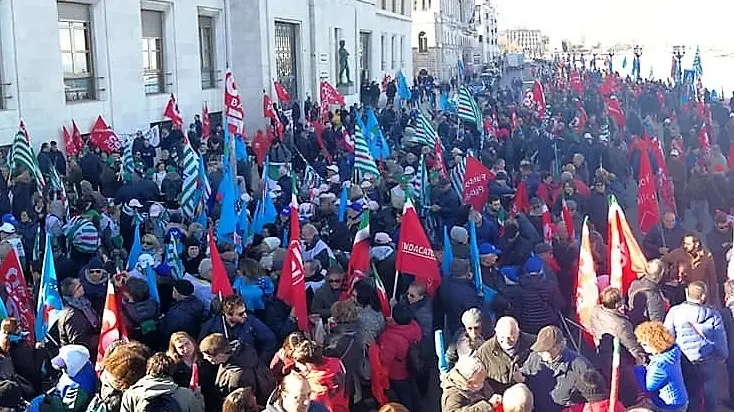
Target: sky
655,23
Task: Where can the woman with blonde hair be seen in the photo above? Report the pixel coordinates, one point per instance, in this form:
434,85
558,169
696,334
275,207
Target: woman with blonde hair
240,400
662,377
183,349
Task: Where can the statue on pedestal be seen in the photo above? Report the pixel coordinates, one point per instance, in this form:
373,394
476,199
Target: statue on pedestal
343,65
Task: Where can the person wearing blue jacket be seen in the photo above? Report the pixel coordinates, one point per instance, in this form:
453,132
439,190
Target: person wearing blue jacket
662,377
241,326
698,330
458,293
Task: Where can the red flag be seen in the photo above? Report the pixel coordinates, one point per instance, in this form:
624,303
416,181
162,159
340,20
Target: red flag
21,126
76,136
234,112
547,226
648,213
521,203
292,283
318,130
382,296
346,143
614,109
476,178
703,140
415,255
625,255
68,143
575,79
206,124
664,183
438,152
220,282
329,96
380,381
171,111
101,135
539,97
261,145
587,292
567,220
194,382
113,329
269,113
281,92
19,302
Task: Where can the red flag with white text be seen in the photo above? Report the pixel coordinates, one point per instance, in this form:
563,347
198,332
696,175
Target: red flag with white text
359,260
539,97
269,113
171,111
68,143
415,255
438,153
112,328
292,283
521,204
329,96
19,302
567,220
281,92
233,110
476,179
648,212
614,109
547,226
206,123
261,145
101,135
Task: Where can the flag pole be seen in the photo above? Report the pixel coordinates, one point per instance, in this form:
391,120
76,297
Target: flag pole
395,285
614,393
224,322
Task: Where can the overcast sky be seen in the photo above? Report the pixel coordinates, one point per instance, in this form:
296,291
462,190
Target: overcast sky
648,22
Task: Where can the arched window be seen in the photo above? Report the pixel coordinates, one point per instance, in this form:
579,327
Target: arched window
422,42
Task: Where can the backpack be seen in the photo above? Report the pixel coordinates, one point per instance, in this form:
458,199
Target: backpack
162,403
416,360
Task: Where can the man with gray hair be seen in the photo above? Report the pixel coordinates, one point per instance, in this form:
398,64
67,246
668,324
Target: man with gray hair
505,353
469,339
645,296
464,388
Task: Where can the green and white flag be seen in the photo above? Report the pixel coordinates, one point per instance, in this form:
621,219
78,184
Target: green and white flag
128,163
468,109
424,131
23,156
189,195
364,163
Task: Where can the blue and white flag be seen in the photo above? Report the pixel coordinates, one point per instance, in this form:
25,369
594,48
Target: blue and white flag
697,67
403,89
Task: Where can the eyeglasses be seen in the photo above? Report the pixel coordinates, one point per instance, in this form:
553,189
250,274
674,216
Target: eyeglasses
148,243
335,281
97,270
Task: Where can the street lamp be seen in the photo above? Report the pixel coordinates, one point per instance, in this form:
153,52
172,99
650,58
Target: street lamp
610,53
638,53
593,61
679,52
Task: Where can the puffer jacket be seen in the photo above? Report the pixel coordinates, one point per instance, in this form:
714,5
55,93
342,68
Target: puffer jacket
394,343
184,315
663,378
698,330
136,313
148,387
457,398
540,301
500,366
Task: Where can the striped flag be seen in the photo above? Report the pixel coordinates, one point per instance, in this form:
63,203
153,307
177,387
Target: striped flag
311,178
189,191
364,163
697,67
424,131
468,109
203,186
128,163
457,177
22,155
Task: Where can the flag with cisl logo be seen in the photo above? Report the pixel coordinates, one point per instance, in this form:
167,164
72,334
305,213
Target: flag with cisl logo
102,136
329,96
19,301
476,178
415,255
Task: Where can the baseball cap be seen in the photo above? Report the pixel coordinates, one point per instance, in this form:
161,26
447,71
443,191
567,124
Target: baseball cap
7,228
134,203
333,168
487,249
382,238
548,337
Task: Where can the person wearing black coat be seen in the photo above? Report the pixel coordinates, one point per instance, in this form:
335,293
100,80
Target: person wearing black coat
187,312
597,207
540,298
646,301
45,162
91,165
458,293
719,242
57,158
664,237
516,249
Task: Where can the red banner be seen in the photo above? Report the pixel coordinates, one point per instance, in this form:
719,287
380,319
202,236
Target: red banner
292,283
476,178
68,142
76,136
206,124
415,255
233,110
171,111
269,113
648,213
220,282
19,301
664,183
438,151
329,96
539,97
102,136
281,92
112,328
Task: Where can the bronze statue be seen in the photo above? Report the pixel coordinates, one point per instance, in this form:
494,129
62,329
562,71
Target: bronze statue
343,63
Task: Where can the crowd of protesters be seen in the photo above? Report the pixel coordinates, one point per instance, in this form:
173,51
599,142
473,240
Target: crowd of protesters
188,349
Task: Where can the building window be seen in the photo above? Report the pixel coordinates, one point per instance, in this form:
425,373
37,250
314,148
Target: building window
152,43
481,38
206,52
286,56
402,52
384,4
422,42
75,41
383,52
393,52
394,6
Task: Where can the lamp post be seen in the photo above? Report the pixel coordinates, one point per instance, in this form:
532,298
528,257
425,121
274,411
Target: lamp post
638,53
678,53
610,53
593,61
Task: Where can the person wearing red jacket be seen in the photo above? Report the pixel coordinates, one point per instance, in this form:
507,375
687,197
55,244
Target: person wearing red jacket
326,376
395,340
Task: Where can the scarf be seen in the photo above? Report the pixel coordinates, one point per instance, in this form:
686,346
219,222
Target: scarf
85,306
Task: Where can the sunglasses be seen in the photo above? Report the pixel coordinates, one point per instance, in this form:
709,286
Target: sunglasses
96,270
335,281
148,243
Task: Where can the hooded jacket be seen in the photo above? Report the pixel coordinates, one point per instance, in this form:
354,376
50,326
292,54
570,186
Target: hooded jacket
394,343
457,398
663,378
149,387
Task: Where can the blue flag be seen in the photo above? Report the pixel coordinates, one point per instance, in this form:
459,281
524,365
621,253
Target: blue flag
343,199
403,89
474,255
240,148
243,228
460,67
264,213
152,283
227,226
448,254
135,250
379,148
49,301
